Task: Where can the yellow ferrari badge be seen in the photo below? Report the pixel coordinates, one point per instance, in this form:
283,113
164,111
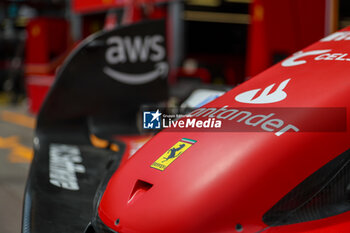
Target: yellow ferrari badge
172,154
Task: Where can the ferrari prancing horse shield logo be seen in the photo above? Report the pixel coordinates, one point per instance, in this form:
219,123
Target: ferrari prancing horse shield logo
172,154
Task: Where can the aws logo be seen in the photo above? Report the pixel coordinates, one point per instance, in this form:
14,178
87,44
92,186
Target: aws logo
138,53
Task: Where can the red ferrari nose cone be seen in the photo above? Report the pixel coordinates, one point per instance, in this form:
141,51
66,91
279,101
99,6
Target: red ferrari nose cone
280,135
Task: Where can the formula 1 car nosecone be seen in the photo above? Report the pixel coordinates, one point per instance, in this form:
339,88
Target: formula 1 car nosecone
279,161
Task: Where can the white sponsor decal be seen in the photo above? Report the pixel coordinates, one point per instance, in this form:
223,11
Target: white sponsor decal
265,97
138,49
333,57
64,164
323,55
337,36
292,60
248,118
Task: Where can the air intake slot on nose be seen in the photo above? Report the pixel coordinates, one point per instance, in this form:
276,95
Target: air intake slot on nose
140,188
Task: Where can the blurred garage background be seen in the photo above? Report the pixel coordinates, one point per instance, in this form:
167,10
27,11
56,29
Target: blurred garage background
213,41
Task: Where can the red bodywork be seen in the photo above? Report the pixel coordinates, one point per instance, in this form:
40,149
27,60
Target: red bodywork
230,178
88,6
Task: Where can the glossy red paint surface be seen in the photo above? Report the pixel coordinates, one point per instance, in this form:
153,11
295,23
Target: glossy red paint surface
88,6
230,178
